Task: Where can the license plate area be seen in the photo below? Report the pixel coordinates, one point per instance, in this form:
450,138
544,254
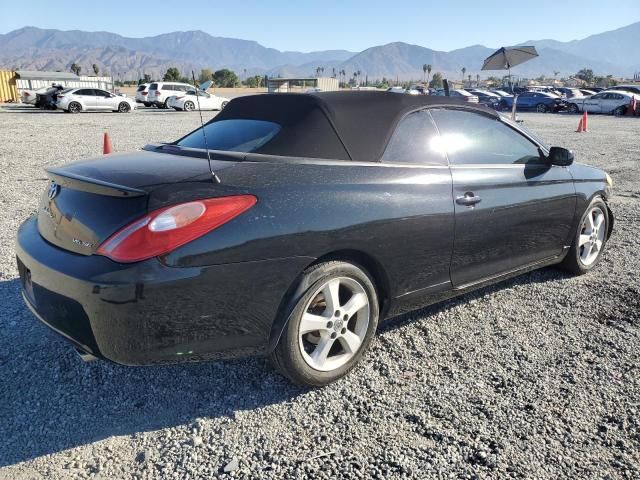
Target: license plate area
25,279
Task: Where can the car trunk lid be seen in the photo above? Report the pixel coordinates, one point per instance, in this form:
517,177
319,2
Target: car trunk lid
87,201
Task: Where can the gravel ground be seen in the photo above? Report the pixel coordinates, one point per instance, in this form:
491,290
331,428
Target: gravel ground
536,377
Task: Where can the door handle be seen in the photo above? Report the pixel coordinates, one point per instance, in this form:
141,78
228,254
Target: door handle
468,199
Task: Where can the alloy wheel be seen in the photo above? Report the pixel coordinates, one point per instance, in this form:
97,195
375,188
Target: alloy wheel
74,107
592,236
334,324
541,108
123,107
188,106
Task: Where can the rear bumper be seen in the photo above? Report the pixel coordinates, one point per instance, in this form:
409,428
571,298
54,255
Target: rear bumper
148,313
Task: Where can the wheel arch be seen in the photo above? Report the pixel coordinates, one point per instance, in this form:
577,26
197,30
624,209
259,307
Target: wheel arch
296,290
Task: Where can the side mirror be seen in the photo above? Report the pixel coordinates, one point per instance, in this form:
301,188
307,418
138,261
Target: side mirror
560,156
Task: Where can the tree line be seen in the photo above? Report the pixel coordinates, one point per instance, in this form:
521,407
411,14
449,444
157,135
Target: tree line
225,78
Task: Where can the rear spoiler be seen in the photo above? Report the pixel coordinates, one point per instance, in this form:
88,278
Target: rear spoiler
92,185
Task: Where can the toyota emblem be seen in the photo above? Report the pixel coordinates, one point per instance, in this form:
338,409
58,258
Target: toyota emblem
53,190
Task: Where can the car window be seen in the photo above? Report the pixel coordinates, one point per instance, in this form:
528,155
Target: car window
153,86
473,138
234,135
140,88
413,141
84,91
101,93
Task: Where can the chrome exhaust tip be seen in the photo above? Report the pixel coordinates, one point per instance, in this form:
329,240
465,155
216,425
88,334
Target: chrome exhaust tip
86,357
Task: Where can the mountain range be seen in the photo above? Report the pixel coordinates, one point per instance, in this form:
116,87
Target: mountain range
32,48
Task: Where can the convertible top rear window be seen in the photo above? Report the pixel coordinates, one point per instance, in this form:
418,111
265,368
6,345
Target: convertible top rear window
235,135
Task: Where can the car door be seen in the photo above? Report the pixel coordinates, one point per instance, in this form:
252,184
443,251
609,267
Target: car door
207,102
104,100
594,103
512,208
613,101
86,96
525,100
418,198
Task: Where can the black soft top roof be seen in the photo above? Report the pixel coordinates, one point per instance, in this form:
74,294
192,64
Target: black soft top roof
354,125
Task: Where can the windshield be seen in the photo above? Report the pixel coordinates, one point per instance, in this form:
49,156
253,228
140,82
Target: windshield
235,135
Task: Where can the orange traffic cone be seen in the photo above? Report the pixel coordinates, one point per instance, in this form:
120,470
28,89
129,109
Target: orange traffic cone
106,144
580,125
584,121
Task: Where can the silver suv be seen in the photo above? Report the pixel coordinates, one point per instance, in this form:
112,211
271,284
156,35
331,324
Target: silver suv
142,93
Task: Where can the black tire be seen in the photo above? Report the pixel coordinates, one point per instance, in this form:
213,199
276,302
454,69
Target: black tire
224,104
619,111
573,262
124,107
189,106
288,357
573,108
542,108
75,107
165,105
147,104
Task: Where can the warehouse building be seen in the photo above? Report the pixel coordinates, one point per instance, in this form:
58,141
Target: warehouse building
13,82
287,85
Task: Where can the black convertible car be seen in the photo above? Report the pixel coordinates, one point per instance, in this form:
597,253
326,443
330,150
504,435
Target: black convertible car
309,218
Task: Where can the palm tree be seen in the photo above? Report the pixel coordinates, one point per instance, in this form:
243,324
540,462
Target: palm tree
428,73
343,74
477,79
96,69
469,80
333,72
75,68
424,71
464,70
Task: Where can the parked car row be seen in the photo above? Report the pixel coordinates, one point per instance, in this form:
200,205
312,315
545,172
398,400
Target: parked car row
179,96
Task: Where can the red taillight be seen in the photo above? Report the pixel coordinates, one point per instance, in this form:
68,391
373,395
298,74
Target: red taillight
166,229
158,92
58,97
144,93
178,98
27,94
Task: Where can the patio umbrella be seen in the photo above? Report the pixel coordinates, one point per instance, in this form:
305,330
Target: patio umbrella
506,57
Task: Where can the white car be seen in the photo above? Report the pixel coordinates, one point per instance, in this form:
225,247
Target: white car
76,100
159,92
188,101
31,96
396,90
607,101
142,93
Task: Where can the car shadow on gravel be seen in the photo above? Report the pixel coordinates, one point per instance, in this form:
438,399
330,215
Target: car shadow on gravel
546,274
52,401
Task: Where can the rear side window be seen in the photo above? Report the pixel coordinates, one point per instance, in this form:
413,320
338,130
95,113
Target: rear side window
140,88
415,141
153,86
234,135
471,138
